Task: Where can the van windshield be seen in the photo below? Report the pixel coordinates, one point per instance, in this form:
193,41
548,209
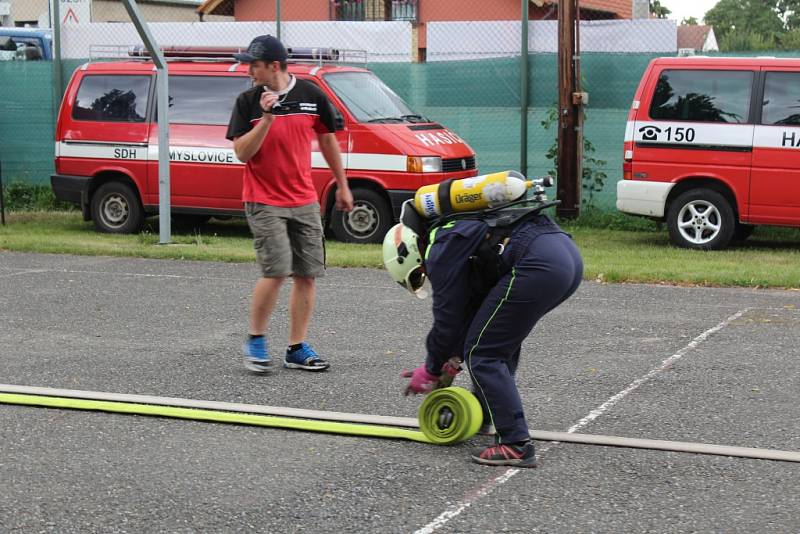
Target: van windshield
369,99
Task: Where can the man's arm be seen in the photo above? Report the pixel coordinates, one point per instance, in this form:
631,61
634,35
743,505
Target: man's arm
247,145
333,156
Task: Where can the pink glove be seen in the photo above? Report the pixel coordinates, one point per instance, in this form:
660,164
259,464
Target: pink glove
421,380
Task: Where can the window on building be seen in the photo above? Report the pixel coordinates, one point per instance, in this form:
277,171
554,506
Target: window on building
702,96
112,98
403,10
781,105
348,10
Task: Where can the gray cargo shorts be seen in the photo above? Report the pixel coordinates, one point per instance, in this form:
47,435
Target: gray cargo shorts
288,241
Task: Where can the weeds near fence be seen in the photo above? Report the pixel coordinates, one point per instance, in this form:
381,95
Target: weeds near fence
21,196
593,178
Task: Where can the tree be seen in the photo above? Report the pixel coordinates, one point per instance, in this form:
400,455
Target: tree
761,17
659,11
689,21
790,11
746,42
791,40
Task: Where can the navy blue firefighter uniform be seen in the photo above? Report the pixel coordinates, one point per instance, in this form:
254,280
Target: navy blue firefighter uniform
539,268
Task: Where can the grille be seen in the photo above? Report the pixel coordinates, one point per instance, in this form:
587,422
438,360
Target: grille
458,164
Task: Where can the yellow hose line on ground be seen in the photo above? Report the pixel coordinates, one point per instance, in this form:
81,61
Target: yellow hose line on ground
461,407
330,427
28,395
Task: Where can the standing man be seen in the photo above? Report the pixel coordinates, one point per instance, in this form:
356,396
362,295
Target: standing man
272,128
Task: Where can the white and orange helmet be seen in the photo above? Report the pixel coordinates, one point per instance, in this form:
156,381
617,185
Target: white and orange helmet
402,257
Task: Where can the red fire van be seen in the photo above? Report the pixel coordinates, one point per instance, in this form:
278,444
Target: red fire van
712,146
107,144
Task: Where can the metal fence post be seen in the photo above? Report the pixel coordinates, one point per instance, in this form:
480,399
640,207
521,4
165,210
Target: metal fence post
58,74
2,198
162,91
278,19
523,131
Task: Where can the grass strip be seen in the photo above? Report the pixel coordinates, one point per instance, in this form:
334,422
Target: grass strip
614,249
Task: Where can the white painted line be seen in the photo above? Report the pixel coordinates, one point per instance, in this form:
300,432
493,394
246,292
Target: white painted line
467,501
135,275
484,489
28,271
148,275
600,410
248,280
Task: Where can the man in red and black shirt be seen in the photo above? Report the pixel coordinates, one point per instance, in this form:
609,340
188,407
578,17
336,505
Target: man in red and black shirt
272,128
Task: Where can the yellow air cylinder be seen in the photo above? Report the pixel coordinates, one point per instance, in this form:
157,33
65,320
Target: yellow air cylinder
470,194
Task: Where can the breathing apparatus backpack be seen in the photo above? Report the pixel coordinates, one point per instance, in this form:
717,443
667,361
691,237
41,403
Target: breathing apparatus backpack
485,264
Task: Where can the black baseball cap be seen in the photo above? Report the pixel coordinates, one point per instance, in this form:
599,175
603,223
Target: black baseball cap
264,47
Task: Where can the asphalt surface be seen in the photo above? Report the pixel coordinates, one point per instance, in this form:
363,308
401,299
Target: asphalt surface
175,329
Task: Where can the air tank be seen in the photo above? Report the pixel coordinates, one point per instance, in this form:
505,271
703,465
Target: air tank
470,194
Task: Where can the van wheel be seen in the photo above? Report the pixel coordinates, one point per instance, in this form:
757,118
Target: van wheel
369,221
116,209
701,219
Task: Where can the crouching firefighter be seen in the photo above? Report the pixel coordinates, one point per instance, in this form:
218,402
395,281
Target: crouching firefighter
494,273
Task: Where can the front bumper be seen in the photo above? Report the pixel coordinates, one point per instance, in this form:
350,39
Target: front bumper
73,189
638,197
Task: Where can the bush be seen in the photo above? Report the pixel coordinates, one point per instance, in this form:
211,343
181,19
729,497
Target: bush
21,196
593,178
791,40
746,41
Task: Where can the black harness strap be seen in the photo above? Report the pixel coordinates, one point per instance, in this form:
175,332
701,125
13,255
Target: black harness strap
443,195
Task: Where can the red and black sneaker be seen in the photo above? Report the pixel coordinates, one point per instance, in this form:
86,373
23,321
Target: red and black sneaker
516,455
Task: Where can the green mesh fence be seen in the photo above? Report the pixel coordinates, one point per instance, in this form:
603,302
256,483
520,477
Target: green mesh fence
479,100
27,121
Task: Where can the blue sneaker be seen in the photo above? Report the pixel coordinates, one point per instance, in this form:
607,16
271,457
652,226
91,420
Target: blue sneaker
256,357
304,358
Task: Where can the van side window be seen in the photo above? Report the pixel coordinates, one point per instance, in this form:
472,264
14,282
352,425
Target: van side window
204,99
112,98
782,99
702,96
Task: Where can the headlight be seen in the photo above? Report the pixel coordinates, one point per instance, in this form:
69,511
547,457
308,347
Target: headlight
424,164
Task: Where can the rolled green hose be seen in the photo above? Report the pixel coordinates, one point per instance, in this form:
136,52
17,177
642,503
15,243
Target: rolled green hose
450,415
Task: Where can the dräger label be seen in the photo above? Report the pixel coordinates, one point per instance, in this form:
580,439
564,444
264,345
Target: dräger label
468,198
